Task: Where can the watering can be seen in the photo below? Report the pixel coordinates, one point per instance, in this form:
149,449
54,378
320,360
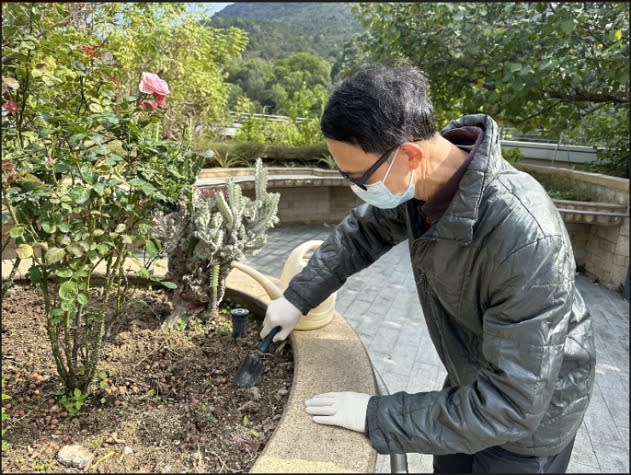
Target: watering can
318,316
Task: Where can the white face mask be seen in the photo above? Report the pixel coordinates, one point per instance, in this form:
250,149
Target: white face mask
378,194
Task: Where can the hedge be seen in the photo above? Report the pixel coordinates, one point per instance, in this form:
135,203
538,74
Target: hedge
231,154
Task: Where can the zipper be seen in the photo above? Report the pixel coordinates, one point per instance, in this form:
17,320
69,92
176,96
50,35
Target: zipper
424,287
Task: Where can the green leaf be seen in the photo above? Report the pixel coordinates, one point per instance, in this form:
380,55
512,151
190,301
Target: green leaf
567,25
151,248
50,228
68,306
75,249
168,284
55,311
24,251
120,228
54,255
76,139
68,290
35,275
82,299
514,67
16,231
63,273
6,217
94,107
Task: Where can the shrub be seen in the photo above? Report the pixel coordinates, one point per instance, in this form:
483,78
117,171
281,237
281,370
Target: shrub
83,168
230,154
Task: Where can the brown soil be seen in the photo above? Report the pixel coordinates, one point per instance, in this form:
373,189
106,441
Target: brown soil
167,404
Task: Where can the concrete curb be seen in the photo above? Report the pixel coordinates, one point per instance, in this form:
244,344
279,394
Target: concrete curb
331,358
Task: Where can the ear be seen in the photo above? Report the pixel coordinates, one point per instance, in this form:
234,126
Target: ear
414,154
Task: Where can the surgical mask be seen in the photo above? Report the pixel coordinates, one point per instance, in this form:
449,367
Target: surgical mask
378,194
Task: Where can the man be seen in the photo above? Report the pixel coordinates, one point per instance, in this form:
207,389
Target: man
495,275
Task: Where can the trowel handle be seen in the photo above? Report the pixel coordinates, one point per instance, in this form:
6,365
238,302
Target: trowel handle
267,341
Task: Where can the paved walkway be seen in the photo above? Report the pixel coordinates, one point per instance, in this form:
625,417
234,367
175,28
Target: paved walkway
381,304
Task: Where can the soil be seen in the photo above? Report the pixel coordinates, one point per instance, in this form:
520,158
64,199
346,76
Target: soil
165,401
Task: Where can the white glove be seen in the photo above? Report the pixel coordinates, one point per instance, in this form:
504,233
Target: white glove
345,409
280,312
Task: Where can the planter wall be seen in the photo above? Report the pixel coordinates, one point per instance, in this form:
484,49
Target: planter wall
599,229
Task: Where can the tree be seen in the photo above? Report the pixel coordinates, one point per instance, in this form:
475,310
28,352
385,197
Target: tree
253,76
182,49
300,84
296,84
550,65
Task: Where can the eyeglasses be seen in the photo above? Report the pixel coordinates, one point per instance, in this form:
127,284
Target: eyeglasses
362,179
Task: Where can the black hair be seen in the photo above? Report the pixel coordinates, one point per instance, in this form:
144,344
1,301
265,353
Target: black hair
379,107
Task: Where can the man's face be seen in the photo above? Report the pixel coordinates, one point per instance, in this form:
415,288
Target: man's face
353,163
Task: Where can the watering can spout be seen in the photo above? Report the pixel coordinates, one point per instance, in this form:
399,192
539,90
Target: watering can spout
317,317
272,290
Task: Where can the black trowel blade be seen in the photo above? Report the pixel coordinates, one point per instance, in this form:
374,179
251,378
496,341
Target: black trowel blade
249,371
252,367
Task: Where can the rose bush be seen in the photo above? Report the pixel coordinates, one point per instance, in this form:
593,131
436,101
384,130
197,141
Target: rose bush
83,167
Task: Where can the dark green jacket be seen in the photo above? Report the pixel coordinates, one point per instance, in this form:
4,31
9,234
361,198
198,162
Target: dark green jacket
496,281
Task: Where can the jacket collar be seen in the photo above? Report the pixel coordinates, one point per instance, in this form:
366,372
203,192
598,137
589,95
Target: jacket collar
458,221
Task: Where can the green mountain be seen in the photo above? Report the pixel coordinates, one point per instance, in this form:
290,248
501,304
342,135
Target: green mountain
279,29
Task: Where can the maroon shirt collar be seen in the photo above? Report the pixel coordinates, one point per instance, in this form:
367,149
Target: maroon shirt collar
467,138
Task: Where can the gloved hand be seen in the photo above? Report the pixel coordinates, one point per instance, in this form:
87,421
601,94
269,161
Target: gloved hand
344,409
280,312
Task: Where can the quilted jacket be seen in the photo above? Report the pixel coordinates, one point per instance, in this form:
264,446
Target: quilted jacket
496,281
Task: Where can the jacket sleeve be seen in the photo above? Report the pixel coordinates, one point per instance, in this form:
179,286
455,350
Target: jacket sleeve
524,330
361,238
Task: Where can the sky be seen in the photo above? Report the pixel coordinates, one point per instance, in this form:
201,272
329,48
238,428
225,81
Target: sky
210,7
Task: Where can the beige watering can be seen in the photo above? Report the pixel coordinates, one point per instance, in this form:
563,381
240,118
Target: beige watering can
317,317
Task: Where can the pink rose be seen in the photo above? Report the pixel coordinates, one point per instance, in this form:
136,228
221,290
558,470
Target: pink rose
143,104
152,84
7,165
160,99
10,106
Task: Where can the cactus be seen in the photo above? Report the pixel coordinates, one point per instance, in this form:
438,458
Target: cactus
204,236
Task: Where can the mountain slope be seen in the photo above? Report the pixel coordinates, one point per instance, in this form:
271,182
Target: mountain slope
279,29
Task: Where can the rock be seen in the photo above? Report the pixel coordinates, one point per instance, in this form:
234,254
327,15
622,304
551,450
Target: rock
75,456
113,439
248,406
128,451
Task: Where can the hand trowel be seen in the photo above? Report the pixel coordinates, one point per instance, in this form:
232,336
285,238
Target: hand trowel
252,367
